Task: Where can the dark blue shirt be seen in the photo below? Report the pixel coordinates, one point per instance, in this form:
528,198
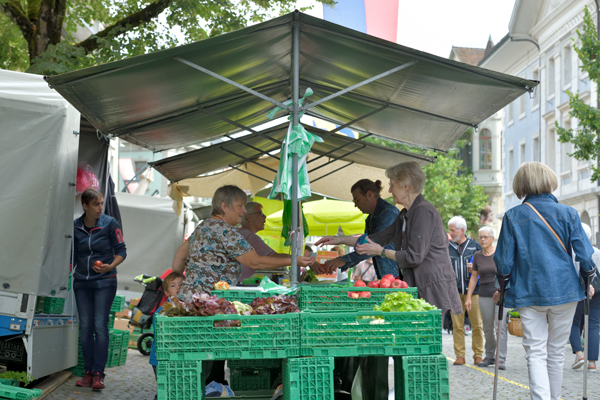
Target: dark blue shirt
385,214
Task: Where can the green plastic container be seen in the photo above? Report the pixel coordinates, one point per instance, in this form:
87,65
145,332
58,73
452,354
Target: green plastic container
239,295
308,378
421,378
250,379
253,364
39,305
354,334
257,337
111,320
9,382
180,380
13,392
118,304
325,298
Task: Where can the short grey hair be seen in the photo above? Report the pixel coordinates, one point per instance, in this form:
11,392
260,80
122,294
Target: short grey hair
489,230
459,222
226,194
410,173
251,208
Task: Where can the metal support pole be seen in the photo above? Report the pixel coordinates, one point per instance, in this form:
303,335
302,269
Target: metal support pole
365,82
233,83
295,121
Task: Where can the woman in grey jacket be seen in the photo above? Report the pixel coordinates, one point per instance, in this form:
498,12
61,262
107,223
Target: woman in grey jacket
420,241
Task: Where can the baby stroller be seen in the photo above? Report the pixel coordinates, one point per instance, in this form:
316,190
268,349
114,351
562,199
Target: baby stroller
141,316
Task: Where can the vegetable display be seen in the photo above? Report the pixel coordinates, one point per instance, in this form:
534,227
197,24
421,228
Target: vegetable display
221,285
402,301
281,304
311,277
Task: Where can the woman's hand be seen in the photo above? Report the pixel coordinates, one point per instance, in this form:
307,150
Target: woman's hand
333,265
370,248
591,292
496,297
305,261
104,268
468,303
470,267
328,240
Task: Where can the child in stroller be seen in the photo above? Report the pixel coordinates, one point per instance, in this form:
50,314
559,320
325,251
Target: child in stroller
142,315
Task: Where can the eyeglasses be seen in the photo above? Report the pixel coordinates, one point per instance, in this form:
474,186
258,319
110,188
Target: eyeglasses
355,201
484,237
258,212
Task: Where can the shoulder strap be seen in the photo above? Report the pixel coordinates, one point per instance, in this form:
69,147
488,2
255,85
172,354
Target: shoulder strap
548,225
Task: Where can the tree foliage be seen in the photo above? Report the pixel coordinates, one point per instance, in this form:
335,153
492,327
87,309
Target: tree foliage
585,139
41,35
448,186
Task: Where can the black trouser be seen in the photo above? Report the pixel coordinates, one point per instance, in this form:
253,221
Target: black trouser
374,374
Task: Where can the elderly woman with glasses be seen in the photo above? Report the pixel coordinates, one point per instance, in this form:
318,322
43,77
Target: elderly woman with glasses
484,274
216,250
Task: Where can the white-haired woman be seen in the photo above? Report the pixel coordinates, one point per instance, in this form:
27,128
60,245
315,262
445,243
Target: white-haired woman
484,271
534,250
420,240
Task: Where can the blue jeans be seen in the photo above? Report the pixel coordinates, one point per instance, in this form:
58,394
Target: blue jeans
594,327
94,299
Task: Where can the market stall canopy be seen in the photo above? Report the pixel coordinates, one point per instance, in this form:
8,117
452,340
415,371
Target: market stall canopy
250,148
324,217
335,183
177,97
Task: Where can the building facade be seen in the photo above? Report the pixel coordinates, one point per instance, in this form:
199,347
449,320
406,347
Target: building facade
540,46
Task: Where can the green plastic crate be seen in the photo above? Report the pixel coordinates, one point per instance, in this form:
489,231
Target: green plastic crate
421,378
257,337
13,392
308,378
123,358
39,305
253,364
133,338
111,320
325,298
180,380
9,382
352,334
118,304
250,379
125,343
239,295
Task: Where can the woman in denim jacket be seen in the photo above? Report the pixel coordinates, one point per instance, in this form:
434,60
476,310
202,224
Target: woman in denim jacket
544,284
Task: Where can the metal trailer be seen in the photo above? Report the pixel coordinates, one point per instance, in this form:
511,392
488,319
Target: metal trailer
38,159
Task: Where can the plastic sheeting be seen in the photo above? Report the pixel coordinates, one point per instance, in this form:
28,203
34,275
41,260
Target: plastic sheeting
152,233
160,103
38,160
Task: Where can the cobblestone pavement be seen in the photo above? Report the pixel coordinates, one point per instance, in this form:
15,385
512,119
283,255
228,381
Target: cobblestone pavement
135,380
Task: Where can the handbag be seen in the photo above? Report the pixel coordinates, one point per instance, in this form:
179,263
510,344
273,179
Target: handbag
549,227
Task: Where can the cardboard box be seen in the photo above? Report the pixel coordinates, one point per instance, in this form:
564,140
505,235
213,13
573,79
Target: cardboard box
134,302
124,314
122,324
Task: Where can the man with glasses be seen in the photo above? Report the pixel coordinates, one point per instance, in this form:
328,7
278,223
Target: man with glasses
254,221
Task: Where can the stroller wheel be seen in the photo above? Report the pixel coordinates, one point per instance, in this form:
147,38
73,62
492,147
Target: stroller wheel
144,343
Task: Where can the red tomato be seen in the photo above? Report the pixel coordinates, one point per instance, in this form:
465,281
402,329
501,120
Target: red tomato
389,277
353,295
366,295
403,285
359,283
98,264
373,284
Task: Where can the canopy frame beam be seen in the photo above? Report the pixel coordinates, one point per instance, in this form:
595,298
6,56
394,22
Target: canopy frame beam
341,147
233,83
249,173
347,124
334,159
247,159
356,86
334,171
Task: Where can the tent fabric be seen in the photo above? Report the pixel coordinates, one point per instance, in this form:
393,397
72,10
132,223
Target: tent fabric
235,152
158,102
324,217
337,184
38,159
153,233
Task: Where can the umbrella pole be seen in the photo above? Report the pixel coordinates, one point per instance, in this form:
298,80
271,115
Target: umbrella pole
295,121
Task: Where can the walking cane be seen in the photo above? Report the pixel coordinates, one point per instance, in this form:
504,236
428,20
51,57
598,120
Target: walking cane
586,319
503,281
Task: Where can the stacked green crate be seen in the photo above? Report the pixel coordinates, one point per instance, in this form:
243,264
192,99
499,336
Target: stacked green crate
118,304
114,348
39,305
326,298
49,305
124,348
421,378
14,392
133,338
180,380
111,320
253,374
308,378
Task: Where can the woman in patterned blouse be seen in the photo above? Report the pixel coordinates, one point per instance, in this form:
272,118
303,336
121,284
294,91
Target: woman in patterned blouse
216,249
